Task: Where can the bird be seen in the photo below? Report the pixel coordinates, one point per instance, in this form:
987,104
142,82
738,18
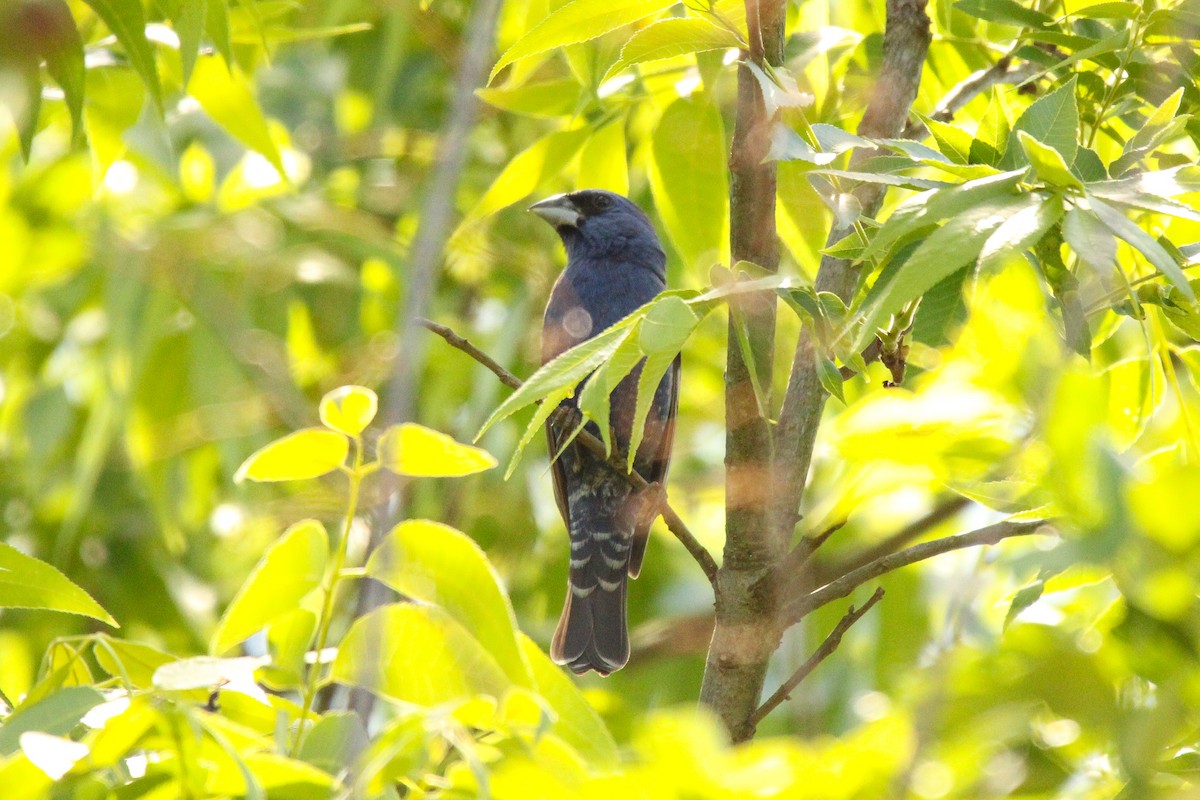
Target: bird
615,264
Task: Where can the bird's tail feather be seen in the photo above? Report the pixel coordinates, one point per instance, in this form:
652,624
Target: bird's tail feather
591,632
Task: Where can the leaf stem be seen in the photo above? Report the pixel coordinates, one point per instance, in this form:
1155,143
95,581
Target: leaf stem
333,577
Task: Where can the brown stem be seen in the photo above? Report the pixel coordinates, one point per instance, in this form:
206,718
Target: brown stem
746,631
823,652
616,460
799,607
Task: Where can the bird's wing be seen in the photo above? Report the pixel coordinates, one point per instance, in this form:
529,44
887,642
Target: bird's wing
559,473
661,461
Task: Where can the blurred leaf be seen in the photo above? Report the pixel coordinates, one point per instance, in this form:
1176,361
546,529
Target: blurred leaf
526,171
53,755
132,661
216,25
291,567
411,449
577,722
1020,231
307,453
124,18
1109,11
688,179
349,409
335,741
602,163
436,564
557,98
577,21
56,714
63,51
1090,239
671,37
206,672
416,654
26,582
188,23
225,94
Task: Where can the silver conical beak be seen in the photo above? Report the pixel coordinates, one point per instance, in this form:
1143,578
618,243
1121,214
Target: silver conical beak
558,211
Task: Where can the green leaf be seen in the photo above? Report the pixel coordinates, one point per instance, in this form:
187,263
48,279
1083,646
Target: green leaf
26,582
671,37
667,326
1023,599
412,449
416,654
349,409
63,51
952,140
125,19
292,567
1008,12
1053,120
288,638
527,170
577,722
1109,11
689,181
336,739
307,453
577,21
945,251
1090,239
1116,222
189,23
594,398
991,137
436,564
1075,324
941,307
216,25
653,370
1048,163
1020,231
567,370
543,412
557,98
831,378
602,162
56,714
225,94
129,661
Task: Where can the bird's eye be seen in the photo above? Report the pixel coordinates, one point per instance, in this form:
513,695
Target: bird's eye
603,201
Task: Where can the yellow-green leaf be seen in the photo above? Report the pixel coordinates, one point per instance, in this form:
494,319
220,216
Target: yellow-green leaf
292,567
127,22
307,453
434,563
225,94
1048,163
412,449
26,582
575,22
671,37
416,654
349,409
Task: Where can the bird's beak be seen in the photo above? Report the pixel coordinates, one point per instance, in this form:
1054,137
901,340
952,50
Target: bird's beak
558,211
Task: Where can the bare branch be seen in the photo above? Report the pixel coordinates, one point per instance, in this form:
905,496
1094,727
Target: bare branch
615,460
822,576
799,607
823,652
975,84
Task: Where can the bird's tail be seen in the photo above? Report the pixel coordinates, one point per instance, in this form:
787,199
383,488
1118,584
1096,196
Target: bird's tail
591,632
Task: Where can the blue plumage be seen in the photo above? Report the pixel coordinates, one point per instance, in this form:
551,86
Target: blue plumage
615,264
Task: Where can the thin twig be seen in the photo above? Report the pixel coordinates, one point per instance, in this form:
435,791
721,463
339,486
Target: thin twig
892,543
823,652
799,607
975,84
615,459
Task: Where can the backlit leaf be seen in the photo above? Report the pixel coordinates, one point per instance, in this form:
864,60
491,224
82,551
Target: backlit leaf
671,37
411,449
57,714
225,94
26,582
125,19
349,409
307,453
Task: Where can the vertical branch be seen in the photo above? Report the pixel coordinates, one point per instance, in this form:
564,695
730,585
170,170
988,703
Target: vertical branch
905,44
746,632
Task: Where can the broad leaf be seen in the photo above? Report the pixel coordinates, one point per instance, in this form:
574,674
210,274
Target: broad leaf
1053,120
26,582
1048,163
129,661
56,714
1090,239
125,19
1020,231
206,672
602,162
1116,222
412,449
225,94
577,21
1008,12
689,181
292,567
671,37
527,170
416,654
437,564
307,453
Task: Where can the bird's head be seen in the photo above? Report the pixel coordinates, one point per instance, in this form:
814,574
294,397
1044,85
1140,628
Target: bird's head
596,223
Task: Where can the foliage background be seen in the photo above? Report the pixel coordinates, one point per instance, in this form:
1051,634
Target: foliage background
188,265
